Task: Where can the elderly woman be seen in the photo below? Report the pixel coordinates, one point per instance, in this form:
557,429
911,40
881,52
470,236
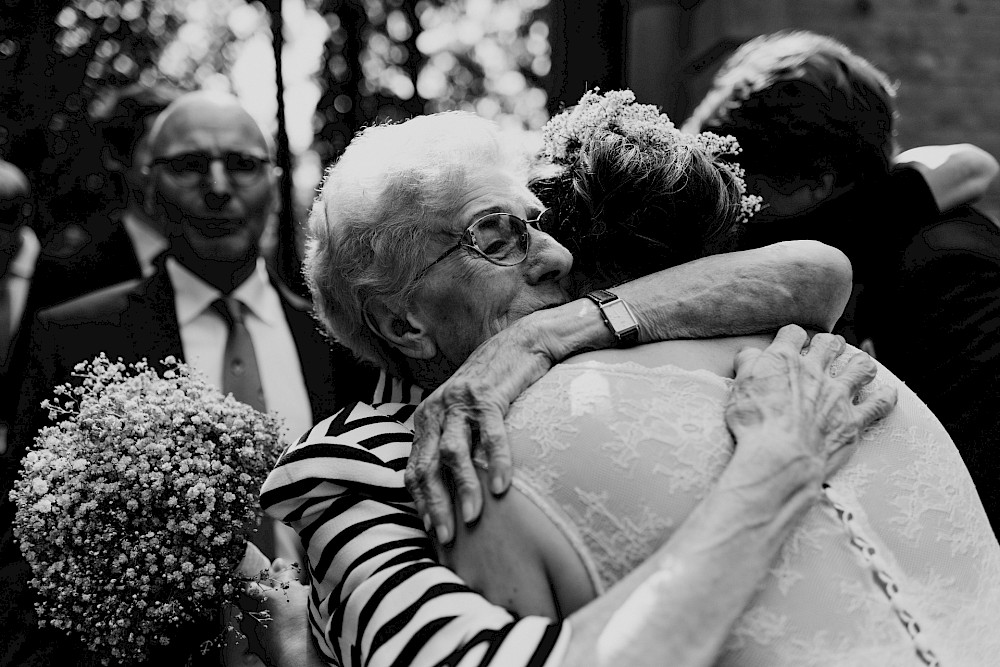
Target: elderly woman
614,450
420,251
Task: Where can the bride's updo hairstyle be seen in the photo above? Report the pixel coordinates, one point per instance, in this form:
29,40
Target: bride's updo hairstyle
630,194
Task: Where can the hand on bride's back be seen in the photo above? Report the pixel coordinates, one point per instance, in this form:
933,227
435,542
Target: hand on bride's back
787,401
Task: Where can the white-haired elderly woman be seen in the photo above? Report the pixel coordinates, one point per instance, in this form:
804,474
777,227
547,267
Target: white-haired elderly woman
425,257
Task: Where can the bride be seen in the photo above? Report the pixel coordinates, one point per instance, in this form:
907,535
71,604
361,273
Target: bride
896,565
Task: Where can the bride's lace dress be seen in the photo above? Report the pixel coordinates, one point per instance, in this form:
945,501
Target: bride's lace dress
896,566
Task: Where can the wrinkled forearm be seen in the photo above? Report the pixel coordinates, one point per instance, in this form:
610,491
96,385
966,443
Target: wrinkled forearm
678,607
794,282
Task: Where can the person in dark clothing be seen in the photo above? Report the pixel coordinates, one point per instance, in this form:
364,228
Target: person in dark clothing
18,256
115,244
120,242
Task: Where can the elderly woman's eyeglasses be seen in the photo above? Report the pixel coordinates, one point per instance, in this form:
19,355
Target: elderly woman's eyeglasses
501,238
191,168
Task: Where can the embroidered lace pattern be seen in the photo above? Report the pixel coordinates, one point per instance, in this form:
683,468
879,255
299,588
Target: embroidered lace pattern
896,566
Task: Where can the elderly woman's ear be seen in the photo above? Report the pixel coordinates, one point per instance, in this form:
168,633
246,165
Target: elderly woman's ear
405,331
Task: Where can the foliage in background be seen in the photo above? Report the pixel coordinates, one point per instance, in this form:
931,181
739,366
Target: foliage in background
390,59
379,59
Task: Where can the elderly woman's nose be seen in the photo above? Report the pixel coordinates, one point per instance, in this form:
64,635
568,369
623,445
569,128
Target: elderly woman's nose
547,258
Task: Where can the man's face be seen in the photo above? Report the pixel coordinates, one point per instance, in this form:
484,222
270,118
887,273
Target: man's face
212,181
465,298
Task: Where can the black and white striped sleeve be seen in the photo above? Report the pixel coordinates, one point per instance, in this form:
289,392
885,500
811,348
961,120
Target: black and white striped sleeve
378,596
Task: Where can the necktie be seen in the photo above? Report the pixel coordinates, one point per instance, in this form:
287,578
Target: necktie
239,367
241,378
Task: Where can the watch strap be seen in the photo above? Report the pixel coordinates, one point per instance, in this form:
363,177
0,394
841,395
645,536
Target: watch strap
617,316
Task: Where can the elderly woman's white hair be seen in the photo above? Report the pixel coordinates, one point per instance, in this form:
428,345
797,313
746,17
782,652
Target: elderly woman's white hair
395,187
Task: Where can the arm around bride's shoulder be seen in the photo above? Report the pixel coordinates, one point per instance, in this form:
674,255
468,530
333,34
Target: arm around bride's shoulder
792,282
956,174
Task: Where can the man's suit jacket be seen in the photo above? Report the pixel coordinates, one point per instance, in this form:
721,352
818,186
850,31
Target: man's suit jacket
936,324
132,320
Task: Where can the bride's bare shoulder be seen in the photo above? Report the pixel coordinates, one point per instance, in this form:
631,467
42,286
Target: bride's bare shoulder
713,354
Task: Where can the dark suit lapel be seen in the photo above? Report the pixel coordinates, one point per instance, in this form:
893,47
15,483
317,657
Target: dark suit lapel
121,248
315,356
151,318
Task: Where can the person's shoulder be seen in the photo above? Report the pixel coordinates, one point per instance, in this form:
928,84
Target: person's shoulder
358,449
95,306
357,427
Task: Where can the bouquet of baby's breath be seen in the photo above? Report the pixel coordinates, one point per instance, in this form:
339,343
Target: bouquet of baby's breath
135,509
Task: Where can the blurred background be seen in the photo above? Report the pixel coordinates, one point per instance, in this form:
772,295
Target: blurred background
342,64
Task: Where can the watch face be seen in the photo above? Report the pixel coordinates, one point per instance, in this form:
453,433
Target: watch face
619,317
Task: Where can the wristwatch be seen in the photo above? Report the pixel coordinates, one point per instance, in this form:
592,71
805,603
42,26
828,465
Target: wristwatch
618,316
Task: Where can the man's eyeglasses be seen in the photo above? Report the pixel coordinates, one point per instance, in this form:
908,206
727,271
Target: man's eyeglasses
500,238
191,168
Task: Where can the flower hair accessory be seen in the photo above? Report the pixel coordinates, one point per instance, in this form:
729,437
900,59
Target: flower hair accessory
617,112
134,511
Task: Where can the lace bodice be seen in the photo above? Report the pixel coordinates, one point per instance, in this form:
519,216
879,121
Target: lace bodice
896,566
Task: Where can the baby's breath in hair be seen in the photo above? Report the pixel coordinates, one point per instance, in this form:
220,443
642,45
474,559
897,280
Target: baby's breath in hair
616,112
134,510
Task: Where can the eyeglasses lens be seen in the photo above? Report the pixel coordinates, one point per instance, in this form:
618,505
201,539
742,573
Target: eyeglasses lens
243,169
500,237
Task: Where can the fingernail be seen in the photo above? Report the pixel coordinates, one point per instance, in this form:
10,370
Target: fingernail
467,510
443,534
496,485
427,524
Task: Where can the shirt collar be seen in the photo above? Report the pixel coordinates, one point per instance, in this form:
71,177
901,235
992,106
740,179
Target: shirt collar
193,295
393,390
23,262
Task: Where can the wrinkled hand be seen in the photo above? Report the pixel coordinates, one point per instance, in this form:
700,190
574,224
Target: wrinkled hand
278,625
466,414
782,397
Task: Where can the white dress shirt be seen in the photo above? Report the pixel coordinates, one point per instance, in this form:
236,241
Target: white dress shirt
204,332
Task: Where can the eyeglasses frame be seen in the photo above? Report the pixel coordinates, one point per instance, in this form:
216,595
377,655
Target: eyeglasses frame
164,160
534,222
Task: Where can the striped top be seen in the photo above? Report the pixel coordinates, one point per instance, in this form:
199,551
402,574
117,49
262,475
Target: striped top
378,595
